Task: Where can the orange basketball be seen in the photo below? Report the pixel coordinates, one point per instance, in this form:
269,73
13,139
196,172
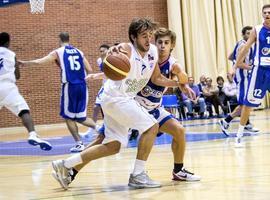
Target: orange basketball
116,66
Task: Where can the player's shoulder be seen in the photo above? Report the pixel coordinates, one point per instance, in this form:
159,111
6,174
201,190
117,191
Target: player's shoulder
7,51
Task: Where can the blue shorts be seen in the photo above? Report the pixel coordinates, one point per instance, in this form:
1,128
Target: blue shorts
74,101
258,84
241,81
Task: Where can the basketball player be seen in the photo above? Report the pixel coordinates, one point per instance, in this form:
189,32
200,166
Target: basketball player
103,49
150,98
258,82
9,93
241,80
74,97
121,111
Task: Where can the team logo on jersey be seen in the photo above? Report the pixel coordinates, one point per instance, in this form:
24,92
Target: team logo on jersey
150,57
265,51
1,63
148,91
135,85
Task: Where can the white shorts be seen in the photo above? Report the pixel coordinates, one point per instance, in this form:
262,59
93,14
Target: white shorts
11,98
121,114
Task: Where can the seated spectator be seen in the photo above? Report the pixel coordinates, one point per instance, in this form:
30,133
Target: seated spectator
198,102
210,93
221,94
202,84
230,90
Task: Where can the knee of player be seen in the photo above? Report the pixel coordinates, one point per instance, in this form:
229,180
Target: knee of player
23,112
115,147
179,131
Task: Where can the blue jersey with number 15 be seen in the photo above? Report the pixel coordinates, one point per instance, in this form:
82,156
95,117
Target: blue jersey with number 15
71,63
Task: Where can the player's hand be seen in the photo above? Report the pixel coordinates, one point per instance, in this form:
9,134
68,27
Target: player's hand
188,91
91,77
116,49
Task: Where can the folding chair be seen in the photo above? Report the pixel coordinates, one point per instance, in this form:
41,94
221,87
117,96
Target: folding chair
171,102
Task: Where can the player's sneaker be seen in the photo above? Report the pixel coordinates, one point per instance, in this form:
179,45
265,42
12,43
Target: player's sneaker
142,180
35,140
61,173
251,128
224,127
79,147
239,142
185,175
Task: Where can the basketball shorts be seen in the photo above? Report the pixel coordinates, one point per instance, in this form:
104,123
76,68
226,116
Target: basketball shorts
74,99
161,115
121,114
258,84
241,81
98,98
11,98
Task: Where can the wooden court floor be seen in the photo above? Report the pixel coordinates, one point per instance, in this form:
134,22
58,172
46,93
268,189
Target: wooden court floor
227,173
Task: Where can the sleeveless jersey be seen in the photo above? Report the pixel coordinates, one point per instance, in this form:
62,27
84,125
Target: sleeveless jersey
141,70
241,74
7,64
262,46
151,95
71,63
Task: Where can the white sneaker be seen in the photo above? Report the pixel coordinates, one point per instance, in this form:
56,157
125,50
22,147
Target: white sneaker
142,180
61,173
224,127
251,128
238,142
185,175
35,140
88,134
78,148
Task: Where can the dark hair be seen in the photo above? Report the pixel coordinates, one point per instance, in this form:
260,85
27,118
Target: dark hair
265,6
139,25
4,39
245,29
220,78
64,37
161,32
104,46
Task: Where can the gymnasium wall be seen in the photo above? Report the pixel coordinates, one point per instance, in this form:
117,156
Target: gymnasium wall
90,23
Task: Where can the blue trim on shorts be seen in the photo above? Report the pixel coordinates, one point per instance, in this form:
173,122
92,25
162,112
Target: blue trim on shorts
165,119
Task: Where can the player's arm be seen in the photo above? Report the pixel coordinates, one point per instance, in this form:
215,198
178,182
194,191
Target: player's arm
17,69
87,66
47,60
230,57
181,75
95,76
243,51
160,80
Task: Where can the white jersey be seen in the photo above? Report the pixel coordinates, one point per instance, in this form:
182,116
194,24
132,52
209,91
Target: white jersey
141,70
7,65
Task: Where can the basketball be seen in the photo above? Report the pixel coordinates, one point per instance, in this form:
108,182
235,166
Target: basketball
116,66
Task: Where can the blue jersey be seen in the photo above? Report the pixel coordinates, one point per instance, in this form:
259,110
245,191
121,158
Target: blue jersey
262,46
150,96
71,63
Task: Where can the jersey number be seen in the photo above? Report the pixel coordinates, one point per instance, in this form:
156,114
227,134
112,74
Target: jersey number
257,93
268,40
1,63
74,63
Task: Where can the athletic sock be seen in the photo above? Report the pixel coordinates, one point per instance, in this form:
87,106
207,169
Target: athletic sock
177,167
240,131
139,167
72,161
228,119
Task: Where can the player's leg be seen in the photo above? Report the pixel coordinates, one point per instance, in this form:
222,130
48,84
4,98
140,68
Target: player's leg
14,102
170,125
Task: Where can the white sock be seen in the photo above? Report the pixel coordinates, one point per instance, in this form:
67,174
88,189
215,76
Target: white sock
32,133
240,131
139,167
73,161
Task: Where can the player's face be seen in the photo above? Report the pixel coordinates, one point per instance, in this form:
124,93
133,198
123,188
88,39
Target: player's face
103,52
266,15
143,40
164,45
247,34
